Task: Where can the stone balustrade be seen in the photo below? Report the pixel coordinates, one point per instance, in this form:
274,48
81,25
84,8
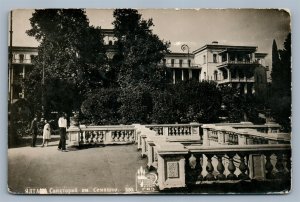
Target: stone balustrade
149,135
91,135
178,132
181,166
243,134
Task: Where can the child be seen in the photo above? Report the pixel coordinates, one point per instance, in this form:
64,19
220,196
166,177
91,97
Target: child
46,133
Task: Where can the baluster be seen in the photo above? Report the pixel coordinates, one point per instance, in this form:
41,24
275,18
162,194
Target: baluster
231,167
243,168
220,168
209,168
279,166
288,165
81,136
122,136
118,136
101,136
170,131
126,138
269,167
192,162
86,137
95,140
182,130
113,136
200,169
131,133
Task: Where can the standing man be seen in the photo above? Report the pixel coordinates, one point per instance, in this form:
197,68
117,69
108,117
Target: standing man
34,131
62,124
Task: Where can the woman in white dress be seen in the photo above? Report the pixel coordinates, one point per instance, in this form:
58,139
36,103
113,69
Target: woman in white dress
46,133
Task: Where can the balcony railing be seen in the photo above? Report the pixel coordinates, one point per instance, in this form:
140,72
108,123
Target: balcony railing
22,61
237,80
239,62
181,65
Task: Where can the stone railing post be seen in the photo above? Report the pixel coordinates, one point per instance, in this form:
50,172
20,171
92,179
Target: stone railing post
171,165
138,135
205,135
150,152
195,129
144,145
165,131
73,136
242,138
221,137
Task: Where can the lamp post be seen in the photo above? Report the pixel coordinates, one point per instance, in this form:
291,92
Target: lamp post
185,47
43,86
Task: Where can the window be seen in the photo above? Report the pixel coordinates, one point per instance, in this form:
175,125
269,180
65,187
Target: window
172,62
204,59
31,58
214,58
180,63
189,63
164,62
216,75
21,58
110,43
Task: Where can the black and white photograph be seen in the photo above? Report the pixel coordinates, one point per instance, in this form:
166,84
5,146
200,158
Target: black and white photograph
149,101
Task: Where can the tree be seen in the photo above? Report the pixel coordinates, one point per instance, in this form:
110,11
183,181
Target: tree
71,59
101,107
280,101
136,64
139,50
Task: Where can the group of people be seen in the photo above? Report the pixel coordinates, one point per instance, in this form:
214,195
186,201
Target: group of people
62,124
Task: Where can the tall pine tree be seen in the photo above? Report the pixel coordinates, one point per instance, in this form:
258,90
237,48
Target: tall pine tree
136,64
280,101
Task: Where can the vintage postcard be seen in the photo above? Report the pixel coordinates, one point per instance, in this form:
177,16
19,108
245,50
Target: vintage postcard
149,101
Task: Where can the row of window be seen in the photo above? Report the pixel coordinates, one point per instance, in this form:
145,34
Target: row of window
180,62
215,58
21,57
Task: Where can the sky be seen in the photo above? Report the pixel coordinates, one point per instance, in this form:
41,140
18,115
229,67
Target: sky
196,28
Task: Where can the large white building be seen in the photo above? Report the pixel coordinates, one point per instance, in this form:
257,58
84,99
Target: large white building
237,66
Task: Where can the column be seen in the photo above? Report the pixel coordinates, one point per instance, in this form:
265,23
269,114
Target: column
190,74
229,74
12,83
174,78
23,90
182,75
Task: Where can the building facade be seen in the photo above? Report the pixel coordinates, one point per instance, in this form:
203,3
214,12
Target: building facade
241,67
21,65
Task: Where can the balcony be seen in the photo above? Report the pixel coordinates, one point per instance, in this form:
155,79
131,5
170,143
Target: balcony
237,80
251,63
182,65
20,61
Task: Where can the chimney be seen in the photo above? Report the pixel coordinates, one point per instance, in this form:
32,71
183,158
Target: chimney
214,42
